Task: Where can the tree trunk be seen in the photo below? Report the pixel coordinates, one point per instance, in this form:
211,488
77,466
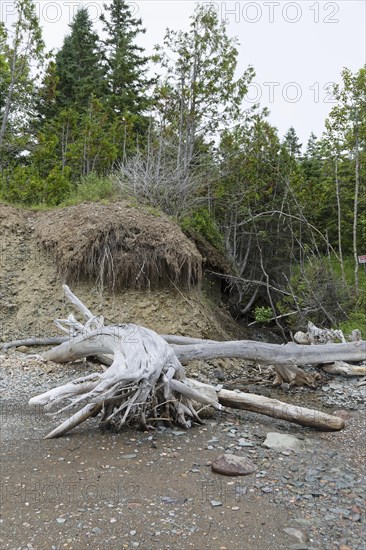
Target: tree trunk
274,354
355,205
278,409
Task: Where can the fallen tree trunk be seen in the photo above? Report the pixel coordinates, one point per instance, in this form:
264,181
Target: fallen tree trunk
278,409
274,354
146,381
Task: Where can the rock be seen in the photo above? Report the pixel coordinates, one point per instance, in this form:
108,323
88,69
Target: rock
61,520
22,349
219,374
232,465
132,455
244,443
299,535
215,503
279,442
301,338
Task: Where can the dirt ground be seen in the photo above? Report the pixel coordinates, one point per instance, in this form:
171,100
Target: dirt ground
156,490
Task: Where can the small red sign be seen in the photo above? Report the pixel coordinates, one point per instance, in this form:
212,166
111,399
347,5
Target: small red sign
362,259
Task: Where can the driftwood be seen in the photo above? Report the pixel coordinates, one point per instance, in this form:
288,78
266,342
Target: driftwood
278,409
293,376
274,354
315,335
340,367
146,381
50,341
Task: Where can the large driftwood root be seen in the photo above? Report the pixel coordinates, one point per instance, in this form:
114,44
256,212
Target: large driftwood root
145,382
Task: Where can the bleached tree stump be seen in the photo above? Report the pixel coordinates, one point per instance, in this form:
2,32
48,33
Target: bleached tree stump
145,381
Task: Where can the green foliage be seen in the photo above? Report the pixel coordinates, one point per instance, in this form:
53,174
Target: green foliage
79,68
21,56
198,91
24,185
263,314
126,65
199,156
202,222
355,320
5,71
318,293
92,188
291,143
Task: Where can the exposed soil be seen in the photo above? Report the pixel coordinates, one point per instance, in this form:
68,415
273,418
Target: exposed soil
156,490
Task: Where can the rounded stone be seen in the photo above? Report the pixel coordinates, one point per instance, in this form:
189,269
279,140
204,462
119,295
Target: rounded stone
232,465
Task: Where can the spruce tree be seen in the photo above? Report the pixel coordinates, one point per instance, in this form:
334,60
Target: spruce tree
126,65
291,143
79,66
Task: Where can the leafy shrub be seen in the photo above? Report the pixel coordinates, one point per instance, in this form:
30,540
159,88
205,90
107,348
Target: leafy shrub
263,314
24,185
202,222
92,188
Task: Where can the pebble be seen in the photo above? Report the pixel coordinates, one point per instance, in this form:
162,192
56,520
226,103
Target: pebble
232,465
132,455
245,443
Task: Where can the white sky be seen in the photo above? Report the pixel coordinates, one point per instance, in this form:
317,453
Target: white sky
296,48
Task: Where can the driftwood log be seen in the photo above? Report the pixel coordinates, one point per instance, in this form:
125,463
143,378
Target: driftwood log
145,382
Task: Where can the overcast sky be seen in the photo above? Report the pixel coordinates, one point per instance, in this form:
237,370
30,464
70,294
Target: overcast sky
296,48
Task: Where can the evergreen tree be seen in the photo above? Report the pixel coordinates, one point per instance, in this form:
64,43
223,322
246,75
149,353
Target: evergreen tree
291,143
79,66
126,65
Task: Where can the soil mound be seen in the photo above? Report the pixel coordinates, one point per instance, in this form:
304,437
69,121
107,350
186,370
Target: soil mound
31,295
10,218
118,246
